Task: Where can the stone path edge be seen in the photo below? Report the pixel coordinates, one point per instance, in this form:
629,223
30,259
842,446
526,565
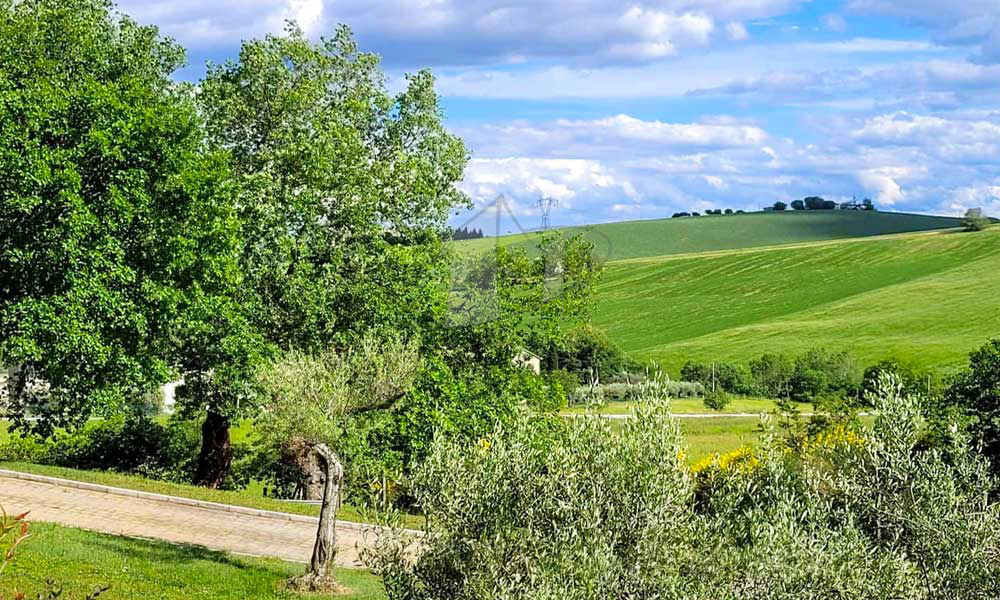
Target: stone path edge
254,512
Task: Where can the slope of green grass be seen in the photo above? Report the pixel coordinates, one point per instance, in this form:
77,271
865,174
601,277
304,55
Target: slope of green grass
926,298
81,561
660,237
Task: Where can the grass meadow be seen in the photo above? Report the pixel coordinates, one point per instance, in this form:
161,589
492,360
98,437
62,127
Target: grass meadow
928,299
661,237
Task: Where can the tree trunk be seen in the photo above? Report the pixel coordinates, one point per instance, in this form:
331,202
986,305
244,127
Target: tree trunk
318,578
216,451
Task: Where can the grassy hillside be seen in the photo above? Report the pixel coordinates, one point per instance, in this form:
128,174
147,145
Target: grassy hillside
929,298
637,239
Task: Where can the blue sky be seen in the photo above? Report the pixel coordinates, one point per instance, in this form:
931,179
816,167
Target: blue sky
623,110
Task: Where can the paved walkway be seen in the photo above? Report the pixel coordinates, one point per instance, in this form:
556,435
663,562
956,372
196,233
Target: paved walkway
141,517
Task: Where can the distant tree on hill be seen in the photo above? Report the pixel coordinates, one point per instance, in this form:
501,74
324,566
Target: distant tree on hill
780,206
467,234
798,205
678,215
866,204
814,203
729,211
695,214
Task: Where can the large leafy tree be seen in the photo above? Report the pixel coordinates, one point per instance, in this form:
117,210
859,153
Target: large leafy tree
344,192
116,229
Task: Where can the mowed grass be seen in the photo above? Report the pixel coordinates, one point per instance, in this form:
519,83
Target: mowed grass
926,298
81,561
662,237
738,404
705,437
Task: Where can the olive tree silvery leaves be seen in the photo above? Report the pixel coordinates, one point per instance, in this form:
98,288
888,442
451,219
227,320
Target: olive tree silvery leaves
311,399
578,508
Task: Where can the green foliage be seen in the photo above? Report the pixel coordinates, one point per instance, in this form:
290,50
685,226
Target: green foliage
588,353
772,373
820,373
732,378
976,223
317,398
976,391
115,227
915,380
717,400
509,299
137,446
583,508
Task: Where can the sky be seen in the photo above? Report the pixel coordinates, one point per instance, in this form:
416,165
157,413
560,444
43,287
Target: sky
627,110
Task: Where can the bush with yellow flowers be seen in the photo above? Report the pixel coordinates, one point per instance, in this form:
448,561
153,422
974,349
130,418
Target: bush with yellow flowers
587,509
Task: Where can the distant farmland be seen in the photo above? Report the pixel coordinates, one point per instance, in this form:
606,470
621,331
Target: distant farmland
660,237
928,298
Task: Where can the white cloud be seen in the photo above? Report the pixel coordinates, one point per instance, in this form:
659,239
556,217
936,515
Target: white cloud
460,32
970,22
737,31
883,183
834,22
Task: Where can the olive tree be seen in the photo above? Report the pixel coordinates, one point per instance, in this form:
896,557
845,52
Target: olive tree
585,509
311,399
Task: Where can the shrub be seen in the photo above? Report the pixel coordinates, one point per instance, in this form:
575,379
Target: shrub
22,449
583,508
819,372
717,400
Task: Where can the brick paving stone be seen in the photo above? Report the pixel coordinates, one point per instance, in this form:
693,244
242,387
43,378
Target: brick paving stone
138,517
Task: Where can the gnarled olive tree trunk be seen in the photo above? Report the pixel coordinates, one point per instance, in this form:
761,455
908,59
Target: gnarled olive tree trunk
318,578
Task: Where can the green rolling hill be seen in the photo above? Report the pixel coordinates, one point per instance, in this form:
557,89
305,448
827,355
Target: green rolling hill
660,237
926,297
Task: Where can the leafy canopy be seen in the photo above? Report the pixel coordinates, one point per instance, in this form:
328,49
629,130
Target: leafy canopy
114,225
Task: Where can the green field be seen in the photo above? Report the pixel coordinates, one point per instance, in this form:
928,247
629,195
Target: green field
661,237
927,298
81,561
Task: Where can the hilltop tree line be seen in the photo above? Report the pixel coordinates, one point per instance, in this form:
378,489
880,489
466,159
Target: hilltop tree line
466,234
713,212
818,203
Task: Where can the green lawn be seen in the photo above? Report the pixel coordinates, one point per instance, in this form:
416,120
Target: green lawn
250,497
705,437
739,404
81,561
929,299
659,237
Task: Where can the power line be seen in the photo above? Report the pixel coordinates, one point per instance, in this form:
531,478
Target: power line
545,205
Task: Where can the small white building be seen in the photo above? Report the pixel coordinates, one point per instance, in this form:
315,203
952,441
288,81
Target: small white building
528,360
